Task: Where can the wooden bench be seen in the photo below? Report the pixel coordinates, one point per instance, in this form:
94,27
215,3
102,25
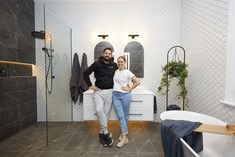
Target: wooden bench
229,129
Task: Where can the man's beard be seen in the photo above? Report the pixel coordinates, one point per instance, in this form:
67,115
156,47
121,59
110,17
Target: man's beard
107,59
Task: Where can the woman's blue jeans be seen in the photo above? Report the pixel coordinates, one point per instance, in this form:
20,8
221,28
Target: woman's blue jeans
121,103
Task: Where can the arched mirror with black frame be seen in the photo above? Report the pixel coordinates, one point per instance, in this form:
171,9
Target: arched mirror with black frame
136,58
100,47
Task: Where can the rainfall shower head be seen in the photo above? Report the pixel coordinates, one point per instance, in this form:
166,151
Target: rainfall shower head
39,35
44,35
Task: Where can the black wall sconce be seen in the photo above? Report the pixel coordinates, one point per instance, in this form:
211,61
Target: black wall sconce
133,35
103,36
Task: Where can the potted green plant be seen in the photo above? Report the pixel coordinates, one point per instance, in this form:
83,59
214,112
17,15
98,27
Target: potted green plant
178,70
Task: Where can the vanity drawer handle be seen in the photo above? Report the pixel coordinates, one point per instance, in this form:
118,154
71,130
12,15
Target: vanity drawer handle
136,100
135,114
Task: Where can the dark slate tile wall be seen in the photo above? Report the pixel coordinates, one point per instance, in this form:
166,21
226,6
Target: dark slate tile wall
17,22
18,107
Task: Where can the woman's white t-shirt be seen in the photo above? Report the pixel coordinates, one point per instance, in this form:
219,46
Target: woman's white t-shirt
122,79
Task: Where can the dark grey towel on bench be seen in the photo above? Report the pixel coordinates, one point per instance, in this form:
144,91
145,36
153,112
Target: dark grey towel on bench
173,130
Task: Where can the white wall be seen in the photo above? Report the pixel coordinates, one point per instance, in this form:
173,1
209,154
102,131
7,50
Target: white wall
204,36
157,23
230,73
202,28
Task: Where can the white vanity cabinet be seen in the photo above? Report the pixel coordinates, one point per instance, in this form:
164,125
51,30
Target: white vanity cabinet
141,108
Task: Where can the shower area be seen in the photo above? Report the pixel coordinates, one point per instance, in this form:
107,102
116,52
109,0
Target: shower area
53,43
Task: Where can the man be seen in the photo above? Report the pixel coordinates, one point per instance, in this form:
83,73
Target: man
104,70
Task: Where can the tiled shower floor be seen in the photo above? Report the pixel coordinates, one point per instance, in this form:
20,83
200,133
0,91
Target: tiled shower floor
80,139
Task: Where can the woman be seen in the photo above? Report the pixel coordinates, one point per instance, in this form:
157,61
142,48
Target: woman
122,97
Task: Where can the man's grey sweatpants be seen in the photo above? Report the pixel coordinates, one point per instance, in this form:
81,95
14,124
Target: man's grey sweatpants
103,101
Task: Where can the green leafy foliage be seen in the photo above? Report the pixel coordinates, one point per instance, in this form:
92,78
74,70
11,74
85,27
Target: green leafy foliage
178,70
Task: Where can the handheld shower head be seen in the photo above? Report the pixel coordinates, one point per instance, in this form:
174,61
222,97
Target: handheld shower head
45,49
38,35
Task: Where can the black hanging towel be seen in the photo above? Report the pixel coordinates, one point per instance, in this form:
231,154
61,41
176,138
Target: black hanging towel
83,85
74,80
